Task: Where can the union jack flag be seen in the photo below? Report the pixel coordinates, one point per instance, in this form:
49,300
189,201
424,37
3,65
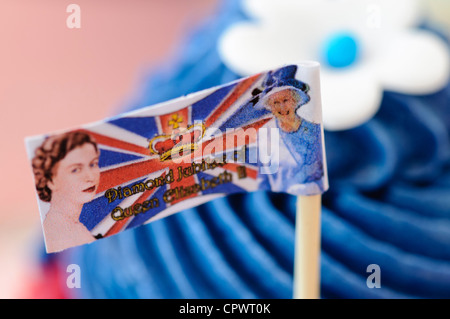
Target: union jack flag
165,158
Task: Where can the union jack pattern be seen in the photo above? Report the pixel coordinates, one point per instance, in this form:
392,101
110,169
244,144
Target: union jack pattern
136,149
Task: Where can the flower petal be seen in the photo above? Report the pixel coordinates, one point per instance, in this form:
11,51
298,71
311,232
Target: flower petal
360,13
285,10
395,14
349,98
415,62
247,48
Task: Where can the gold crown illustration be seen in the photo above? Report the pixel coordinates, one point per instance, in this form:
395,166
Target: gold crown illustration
178,143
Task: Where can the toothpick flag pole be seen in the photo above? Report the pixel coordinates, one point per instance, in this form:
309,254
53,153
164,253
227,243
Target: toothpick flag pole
307,248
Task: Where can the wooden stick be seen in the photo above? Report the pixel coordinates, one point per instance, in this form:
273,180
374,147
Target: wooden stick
307,247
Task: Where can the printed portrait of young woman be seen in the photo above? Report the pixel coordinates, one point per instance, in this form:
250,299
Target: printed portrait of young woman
67,176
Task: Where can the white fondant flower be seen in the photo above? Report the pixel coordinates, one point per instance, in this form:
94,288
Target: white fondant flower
364,47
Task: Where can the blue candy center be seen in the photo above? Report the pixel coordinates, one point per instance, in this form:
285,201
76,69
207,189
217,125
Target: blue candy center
340,50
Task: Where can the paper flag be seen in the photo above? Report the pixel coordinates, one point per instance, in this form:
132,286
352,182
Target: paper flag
262,132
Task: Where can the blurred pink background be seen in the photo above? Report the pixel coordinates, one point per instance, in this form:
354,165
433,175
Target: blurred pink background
53,77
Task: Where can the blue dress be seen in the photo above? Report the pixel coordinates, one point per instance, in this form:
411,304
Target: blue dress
299,162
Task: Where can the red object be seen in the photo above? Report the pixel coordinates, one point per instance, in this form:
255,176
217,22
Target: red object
49,283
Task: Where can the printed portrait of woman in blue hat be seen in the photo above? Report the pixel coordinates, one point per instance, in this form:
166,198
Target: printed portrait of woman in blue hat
298,157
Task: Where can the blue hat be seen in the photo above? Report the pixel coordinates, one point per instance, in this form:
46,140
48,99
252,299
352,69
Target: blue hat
279,80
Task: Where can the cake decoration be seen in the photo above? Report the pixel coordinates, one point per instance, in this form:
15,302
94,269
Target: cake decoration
374,46
262,132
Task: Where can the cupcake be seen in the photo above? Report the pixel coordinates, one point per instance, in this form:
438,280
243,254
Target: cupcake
387,124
